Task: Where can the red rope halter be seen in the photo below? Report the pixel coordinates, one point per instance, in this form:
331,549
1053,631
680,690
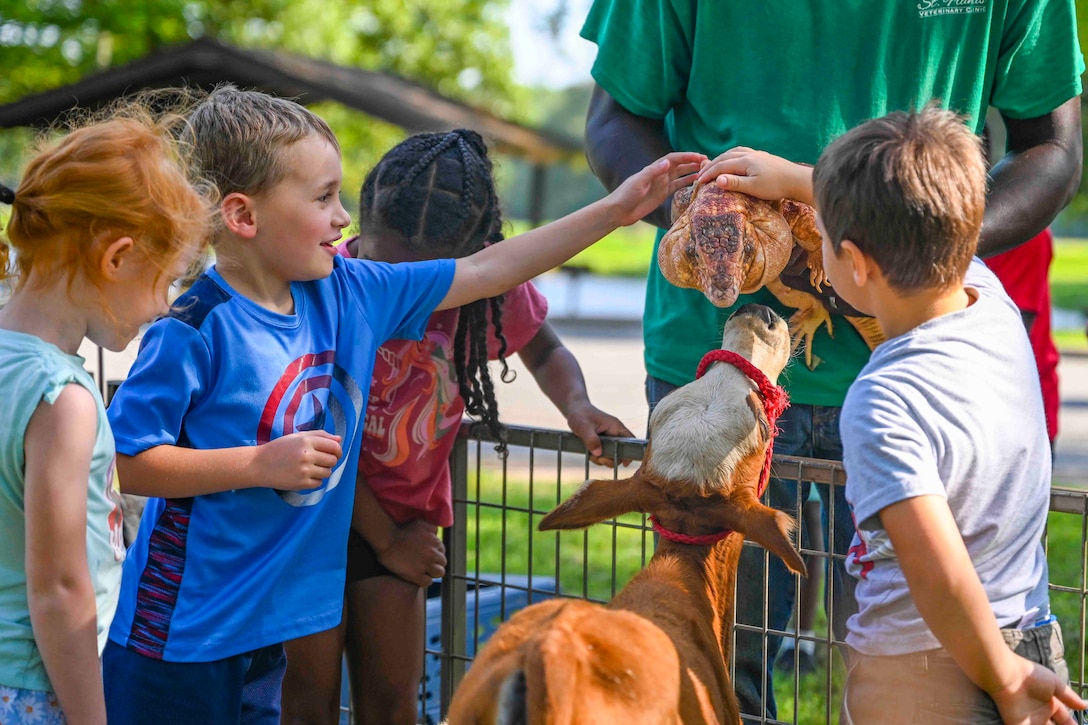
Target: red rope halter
775,400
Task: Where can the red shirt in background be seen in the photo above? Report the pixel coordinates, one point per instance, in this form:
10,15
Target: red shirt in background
415,409
1024,272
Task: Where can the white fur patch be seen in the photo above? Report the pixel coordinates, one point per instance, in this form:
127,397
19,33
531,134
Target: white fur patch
700,432
704,429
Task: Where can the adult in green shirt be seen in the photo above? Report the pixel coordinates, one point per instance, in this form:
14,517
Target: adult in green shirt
788,77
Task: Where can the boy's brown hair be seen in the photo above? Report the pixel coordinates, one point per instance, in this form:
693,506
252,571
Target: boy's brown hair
239,137
909,189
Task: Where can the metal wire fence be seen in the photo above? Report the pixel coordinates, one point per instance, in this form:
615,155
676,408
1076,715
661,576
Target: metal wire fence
499,563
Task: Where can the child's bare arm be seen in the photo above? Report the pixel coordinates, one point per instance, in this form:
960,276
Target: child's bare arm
501,267
560,378
759,174
412,551
947,591
59,444
291,463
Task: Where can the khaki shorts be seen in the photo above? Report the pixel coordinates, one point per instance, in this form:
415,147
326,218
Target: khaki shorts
929,688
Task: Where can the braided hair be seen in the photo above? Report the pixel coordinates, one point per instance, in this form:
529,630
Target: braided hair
435,192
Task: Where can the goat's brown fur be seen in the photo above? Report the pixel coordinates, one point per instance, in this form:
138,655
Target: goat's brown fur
659,651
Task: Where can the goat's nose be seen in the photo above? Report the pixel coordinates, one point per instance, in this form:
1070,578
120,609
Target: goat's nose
761,311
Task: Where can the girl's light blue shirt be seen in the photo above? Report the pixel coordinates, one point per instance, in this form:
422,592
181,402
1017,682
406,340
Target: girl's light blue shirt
34,372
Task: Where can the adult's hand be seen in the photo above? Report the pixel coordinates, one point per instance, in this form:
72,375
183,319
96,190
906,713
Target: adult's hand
796,275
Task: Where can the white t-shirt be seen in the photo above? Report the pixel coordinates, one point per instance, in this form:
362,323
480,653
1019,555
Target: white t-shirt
951,408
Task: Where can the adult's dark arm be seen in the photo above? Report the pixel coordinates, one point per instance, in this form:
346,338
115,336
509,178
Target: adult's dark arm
620,143
1035,180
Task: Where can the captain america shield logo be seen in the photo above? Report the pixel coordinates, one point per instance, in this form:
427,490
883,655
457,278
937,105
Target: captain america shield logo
313,393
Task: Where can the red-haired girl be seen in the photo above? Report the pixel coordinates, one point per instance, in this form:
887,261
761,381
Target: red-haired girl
103,221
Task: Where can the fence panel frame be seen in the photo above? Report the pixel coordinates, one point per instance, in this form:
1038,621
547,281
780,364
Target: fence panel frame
455,661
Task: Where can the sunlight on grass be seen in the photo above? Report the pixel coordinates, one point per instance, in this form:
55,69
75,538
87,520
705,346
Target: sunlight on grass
1069,275
595,563
1071,340
1065,558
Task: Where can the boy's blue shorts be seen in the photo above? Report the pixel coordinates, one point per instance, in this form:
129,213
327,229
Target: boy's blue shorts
242,689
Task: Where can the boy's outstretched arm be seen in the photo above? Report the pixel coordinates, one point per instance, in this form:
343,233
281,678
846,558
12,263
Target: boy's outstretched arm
947,591
501,267
292,462
559,376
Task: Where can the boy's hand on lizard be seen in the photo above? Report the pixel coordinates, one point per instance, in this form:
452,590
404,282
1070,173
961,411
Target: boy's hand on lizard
298,461
757,173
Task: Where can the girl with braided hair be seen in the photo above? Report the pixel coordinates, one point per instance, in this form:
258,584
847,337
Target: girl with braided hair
431,196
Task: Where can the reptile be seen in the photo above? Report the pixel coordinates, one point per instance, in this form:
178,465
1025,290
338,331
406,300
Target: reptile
727,243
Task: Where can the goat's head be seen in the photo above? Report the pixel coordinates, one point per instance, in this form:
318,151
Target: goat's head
707,449
704,430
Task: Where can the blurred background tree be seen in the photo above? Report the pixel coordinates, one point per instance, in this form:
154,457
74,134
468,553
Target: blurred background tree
460,48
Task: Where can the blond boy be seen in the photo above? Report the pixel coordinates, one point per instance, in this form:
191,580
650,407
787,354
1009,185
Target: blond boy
244,411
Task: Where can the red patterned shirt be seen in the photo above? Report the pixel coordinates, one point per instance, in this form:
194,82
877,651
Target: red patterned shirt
415,408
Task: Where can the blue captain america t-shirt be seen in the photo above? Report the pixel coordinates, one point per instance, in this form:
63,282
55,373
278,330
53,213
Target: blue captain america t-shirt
212,576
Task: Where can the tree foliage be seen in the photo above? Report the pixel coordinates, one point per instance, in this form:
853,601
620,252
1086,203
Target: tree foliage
458,47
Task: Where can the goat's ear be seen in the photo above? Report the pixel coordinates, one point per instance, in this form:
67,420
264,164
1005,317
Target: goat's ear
600,500
771,529
767,527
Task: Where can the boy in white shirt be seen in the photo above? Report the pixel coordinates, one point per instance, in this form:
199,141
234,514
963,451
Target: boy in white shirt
945,442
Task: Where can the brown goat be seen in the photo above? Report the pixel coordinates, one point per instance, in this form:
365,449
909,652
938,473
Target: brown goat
659,651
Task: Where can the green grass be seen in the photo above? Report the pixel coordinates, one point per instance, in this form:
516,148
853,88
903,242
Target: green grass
1071,340
598,562
1069,275
1065,557
508,541
1069,288
625,252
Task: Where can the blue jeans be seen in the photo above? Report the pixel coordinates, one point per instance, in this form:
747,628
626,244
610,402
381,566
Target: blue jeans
804,430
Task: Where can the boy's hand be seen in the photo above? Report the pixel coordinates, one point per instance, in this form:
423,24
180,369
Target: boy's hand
759,174
589,423
298,461
416,553
1037,695
645,191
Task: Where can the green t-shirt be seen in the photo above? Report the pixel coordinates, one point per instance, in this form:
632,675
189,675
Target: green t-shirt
33,372
788,78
